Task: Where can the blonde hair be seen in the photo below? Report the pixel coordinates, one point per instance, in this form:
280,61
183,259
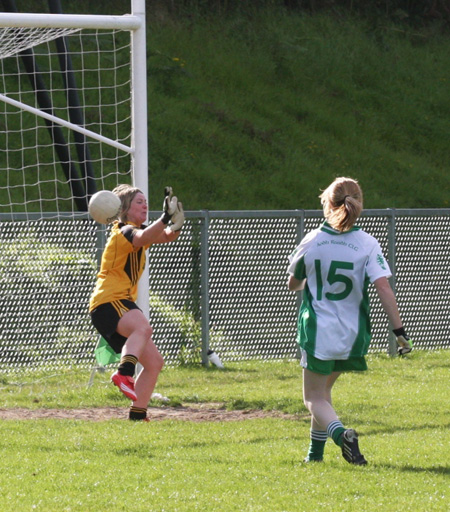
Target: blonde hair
126,194
342,203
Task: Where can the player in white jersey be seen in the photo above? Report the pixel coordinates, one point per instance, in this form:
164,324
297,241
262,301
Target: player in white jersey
334,265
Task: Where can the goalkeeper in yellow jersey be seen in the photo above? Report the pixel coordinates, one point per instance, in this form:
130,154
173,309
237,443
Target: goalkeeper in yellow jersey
113,307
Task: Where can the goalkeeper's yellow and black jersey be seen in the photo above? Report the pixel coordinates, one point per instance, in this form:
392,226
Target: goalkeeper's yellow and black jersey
121,267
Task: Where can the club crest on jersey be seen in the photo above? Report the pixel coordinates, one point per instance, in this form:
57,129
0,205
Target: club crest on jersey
380,261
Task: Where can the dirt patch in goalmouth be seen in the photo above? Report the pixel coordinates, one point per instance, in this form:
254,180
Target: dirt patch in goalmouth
191,413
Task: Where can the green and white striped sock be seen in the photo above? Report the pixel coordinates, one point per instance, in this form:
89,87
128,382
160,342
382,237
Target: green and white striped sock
317,444
335,430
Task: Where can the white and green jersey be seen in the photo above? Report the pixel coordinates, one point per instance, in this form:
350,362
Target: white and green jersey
338,267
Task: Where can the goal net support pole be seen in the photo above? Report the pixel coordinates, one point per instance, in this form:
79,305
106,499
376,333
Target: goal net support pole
139,123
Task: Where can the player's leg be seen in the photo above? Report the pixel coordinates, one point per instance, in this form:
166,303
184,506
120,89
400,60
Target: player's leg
332,378
348,440
318,380
140,345
135,329
152,364
318,433
316,397
329,383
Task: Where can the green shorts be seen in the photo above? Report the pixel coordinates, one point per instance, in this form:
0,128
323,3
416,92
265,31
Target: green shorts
354,364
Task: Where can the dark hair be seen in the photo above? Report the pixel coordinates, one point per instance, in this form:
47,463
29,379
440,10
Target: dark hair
342,203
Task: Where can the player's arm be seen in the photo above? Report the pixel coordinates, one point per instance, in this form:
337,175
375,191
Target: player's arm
296,270
156,233
167,236
389,303
159,232
295,285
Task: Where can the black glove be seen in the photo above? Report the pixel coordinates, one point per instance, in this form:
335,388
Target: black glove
404,342
169,205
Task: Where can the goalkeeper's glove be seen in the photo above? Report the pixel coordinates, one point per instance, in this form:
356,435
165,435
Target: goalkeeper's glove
404,342
177,218
169,205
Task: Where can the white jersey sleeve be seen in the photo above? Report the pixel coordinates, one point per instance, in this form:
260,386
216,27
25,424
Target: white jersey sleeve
296,258
377,266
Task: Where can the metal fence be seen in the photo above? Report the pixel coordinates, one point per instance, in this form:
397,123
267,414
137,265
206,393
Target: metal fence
222,285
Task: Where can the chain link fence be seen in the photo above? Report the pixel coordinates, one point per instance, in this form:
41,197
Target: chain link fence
222,285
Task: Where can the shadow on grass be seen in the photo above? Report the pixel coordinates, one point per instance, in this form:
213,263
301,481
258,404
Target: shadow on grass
136,451
199,368
438,470
384,429
213,443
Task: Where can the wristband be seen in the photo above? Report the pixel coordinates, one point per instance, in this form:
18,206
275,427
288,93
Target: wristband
165,218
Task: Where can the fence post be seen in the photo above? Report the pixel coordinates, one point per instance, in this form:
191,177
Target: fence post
100,242
204,283
300,232
391,257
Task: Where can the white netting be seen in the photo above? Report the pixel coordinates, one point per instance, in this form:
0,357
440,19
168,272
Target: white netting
13,40
49,248
83,79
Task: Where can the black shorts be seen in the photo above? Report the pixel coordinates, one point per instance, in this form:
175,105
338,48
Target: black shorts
106,317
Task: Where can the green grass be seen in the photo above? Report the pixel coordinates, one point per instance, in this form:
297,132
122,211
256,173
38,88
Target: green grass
262,112
400,408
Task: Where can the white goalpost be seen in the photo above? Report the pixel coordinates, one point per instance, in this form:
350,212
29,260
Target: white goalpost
73,120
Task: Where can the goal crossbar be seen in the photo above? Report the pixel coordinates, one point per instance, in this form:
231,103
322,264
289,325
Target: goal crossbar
30,20
48,21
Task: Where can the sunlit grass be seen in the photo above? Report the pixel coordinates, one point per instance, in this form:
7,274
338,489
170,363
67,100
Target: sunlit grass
399,407
267,110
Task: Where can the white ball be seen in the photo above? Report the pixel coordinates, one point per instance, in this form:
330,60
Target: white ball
104,207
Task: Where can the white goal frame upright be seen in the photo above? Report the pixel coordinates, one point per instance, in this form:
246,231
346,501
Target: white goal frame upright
135,23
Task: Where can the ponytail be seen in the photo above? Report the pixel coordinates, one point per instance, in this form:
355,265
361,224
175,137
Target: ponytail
342,203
